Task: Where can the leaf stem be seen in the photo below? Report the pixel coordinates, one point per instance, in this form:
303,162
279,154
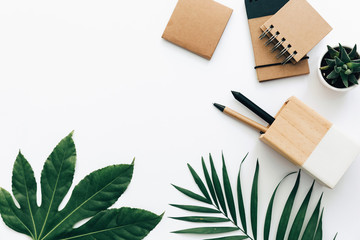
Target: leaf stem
232,221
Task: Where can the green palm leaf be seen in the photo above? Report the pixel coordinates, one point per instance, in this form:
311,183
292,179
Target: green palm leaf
217,186
238,237
199,182
284,219
300,216
198,209
313,229
209,182
254,201
268,215
310,229
192,194
319,231
202,219
240,198
208,230
228,192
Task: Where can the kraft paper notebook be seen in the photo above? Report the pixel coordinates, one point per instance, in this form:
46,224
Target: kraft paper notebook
197,25
266,65
297,27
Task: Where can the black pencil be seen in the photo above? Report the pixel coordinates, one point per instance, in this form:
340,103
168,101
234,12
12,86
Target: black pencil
253,107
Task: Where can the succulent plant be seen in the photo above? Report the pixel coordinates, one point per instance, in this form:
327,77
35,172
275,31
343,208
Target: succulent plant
345,66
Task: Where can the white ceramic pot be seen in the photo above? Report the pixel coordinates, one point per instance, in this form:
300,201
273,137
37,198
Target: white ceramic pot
326,84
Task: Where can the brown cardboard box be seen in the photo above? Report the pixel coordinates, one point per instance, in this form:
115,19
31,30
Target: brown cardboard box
197,25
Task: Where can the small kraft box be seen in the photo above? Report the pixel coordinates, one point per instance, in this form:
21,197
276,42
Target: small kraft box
311,142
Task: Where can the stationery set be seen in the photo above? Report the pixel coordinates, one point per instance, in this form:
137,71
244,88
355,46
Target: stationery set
282,33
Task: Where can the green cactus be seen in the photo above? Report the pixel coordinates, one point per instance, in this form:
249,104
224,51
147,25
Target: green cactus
345,66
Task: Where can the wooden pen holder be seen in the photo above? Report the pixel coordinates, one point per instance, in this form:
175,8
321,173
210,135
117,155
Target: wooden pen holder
311,142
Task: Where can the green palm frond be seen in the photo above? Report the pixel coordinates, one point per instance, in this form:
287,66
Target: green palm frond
228,209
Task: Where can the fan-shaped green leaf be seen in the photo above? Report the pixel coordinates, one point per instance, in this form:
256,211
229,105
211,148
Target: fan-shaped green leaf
240,198
96,192
192,194
116,224
319,231
199,182
284,219
217,186
199,209
228,192
310,229
202,219
208,230
238,237
268,215
300,216
254,201
209,182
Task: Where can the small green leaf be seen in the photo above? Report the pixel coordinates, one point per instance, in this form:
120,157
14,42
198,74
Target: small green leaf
239,237
333,53
338,69
284,219
353,65
353,79
192,194
242,212
310,229
335,236
333,75
217,186
254,201
203,219
300,216
199,182
209,183
330,62
343,54
324,68
319,231
268,215
228,192
198,209
348,72
345,79
352,54
208,230
339,62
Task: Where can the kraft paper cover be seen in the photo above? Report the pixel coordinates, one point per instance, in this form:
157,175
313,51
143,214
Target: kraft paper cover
197,25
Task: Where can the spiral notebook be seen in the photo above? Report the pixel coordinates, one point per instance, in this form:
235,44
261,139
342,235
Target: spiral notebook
267,66
296,28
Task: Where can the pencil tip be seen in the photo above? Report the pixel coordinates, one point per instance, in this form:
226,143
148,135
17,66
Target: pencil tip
219,106
235,94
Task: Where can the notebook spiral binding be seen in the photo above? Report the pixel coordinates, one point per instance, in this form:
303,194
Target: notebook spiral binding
278,44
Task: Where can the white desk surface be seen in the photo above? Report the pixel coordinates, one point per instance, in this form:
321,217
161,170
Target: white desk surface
101,68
